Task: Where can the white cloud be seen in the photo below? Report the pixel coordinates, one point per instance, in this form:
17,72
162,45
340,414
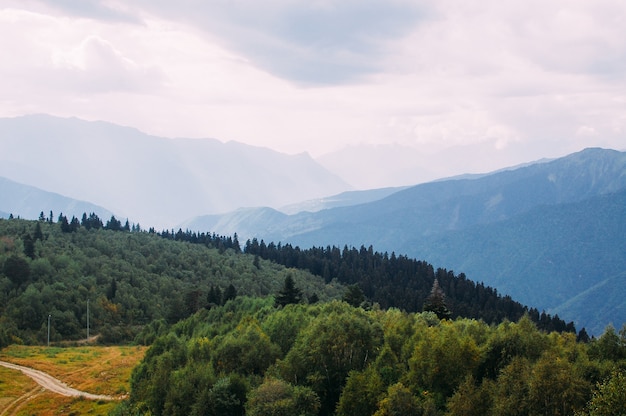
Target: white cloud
95,65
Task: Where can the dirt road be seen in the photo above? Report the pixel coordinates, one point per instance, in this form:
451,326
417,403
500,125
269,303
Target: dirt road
52,384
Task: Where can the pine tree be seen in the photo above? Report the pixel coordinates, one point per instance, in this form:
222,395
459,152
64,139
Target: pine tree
436,302
214,297
38,234
65,225
230,293
289,293
354,296
113,224
29,246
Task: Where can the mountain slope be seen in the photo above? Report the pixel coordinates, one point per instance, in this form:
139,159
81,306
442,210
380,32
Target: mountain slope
28,202
156,181
546,257
603,302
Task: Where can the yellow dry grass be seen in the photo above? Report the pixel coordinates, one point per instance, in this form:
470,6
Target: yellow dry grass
99,370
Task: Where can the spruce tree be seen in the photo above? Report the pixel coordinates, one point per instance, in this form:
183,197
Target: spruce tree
289,293
436,302
214,297
354,296
38,234
230,293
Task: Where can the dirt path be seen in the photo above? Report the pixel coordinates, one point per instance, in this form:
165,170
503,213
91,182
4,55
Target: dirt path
13,407
54,385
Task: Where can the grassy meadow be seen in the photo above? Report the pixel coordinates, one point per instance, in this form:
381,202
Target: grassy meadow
95,369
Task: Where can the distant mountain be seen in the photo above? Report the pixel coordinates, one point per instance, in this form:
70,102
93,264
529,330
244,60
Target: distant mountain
28,202
544,233
154,180
251,221
343,199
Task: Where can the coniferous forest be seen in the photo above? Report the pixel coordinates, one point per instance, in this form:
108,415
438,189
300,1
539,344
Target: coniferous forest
278,330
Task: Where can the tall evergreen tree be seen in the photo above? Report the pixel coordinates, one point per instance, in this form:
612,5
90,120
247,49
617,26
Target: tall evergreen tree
289,293
29,246
230,293
436,302
37,234
65,225
114,224
214,296
354,296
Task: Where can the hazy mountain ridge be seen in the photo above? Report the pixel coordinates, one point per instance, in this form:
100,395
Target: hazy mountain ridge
249,222
343,199
443,205
28,202
154,180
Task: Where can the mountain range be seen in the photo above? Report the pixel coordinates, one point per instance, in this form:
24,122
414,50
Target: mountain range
551,234
153,180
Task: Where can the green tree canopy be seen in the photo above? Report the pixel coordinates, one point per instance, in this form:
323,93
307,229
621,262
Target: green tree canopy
275,397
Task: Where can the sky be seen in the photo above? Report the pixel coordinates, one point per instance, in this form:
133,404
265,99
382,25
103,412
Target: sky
495,83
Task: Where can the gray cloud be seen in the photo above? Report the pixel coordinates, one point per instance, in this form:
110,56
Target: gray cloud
317,42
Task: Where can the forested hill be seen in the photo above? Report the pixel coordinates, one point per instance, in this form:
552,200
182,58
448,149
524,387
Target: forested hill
133,277
402,282
129,277
332,359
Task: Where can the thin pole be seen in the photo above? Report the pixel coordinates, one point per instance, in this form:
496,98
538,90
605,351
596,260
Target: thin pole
48,330
87,319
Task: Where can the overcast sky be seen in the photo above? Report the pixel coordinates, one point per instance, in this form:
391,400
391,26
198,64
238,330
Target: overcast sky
548,77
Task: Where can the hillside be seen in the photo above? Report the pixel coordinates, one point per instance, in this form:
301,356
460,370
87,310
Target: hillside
153,180
130,279
496,228
553,255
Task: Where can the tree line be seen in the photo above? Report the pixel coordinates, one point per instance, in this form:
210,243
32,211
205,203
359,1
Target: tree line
380,278
398,281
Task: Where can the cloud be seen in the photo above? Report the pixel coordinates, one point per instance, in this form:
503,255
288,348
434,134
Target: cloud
66,56
96,66
318,43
